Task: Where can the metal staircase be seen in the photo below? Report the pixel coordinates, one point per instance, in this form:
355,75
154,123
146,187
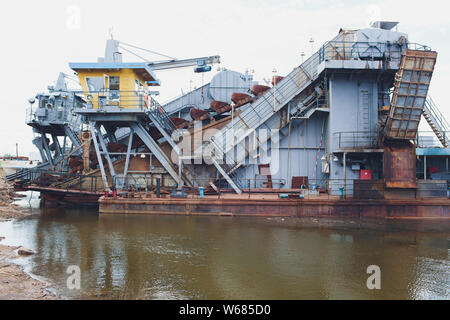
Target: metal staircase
309,105
223,163
159,116
161,120
437,122
256,114
23,174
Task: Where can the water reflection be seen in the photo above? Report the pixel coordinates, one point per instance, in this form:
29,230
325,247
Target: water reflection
169,257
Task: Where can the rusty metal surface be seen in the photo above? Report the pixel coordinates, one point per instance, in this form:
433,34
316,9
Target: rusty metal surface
276,79
368,189
236,97
400,165
258,89
410,91
217,105
197,114
64,197
223,108
179,123
298,182
432,189
239,99
240,206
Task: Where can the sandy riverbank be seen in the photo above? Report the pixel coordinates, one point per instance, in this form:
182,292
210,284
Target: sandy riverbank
15,284
8,210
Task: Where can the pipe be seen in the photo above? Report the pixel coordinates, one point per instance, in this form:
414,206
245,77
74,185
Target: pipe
345,173
424,167
158,187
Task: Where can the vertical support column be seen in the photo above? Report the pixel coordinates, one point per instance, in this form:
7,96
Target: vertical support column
155,149
47,148
65,162
127,160
57,145
106,153
169,139
345,174
39,144
72,136
158,187
64,144
99,156
180,170
424,167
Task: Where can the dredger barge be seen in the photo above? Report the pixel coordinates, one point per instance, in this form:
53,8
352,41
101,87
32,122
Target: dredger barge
337,136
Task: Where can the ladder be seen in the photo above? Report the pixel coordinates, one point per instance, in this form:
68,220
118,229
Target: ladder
437,122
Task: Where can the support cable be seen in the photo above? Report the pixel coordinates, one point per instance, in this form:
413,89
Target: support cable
150,51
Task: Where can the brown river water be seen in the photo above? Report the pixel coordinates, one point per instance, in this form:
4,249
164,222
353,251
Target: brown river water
186,257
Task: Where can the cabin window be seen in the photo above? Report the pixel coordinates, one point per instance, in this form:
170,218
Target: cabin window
114,87
43,102
114,83
94,84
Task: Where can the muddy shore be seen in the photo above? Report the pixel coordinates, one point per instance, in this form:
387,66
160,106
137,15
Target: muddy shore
15,284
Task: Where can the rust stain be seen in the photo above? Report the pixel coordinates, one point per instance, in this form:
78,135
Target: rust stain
400,165
258,207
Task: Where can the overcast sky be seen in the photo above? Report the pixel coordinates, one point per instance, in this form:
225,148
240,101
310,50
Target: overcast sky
40,38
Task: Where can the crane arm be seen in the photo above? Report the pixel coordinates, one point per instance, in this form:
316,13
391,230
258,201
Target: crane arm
202,64
173,64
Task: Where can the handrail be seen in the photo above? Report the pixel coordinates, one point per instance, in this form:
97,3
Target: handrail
428,139
40,178
141,99
437,114
356,139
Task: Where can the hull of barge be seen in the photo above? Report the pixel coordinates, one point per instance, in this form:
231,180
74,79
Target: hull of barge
270,206
54,197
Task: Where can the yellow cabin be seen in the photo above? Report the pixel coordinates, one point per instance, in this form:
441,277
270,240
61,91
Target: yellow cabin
116,84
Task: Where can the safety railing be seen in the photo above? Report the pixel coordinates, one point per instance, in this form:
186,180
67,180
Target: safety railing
356,139
255,187
360,50
370,139
63,180
258,187
418,46
54,115
110,100
428,139
102,99
436,120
